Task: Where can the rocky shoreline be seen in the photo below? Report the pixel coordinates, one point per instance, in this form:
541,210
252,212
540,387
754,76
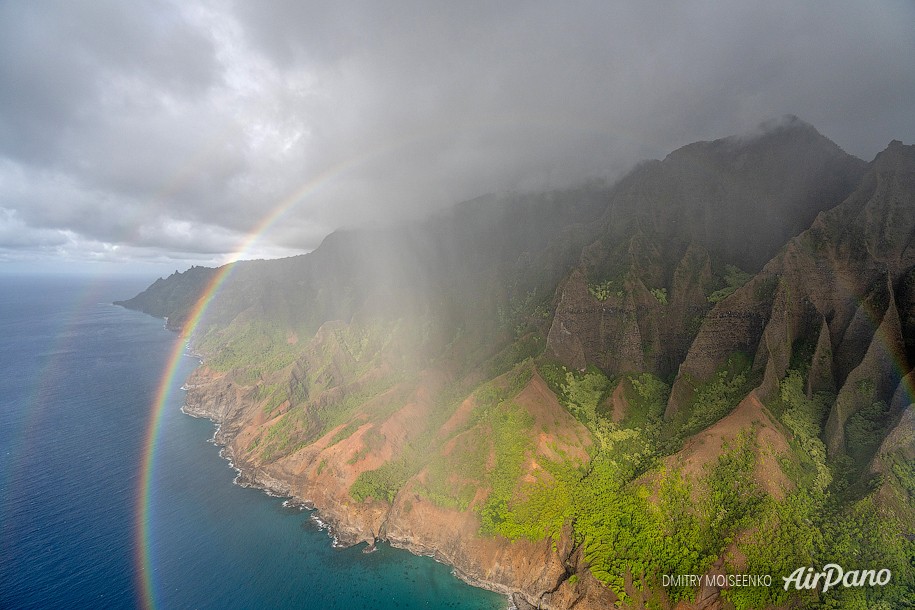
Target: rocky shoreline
514,563
340,537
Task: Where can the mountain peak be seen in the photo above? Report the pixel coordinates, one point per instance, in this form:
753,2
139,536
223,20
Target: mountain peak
770,138
894,152
784,123
786,128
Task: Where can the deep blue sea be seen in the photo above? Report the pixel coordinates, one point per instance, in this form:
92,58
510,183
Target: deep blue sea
77,382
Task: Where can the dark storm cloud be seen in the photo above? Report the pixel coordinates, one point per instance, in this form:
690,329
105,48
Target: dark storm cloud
173,129
64,62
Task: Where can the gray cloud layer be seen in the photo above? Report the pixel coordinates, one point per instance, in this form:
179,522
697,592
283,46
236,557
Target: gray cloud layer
166,130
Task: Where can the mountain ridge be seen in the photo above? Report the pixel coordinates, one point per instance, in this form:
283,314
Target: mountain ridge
357,377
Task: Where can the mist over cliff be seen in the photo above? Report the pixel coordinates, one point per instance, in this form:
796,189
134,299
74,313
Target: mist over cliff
568,394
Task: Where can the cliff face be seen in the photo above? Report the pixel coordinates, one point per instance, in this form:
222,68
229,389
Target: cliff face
842,288
172,298
568,395
671,229
322,474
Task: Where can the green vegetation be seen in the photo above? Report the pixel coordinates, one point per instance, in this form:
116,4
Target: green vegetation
904,471
539,510
251,349
802,416
333,414
583,392
305,423
765,288
372,441
630,515
684,525
468,456
382,483
481,319
622,531
511,441
716,398
733,493
452,480
812,527
647,401
282,437
619,528
274,395
260,353
491,394
519,314
808,529
355,340
604,290
864,431
734,278
345,432
526,347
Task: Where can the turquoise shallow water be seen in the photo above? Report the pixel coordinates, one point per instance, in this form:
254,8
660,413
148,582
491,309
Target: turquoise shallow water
77,380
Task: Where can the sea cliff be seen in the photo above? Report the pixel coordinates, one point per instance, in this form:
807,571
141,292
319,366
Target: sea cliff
569,396
532,574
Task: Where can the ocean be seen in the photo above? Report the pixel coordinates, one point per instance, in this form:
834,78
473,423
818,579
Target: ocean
78,377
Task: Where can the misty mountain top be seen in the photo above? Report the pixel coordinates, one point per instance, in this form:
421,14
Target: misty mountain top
718,345
168,133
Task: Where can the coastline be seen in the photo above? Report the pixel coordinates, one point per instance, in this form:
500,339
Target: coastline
326,519
546,574
529,574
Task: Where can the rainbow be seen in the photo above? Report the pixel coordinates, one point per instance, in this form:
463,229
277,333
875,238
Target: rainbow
892,353
142,548
143,559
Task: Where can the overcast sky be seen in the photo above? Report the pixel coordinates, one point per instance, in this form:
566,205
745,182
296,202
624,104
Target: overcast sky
168,133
